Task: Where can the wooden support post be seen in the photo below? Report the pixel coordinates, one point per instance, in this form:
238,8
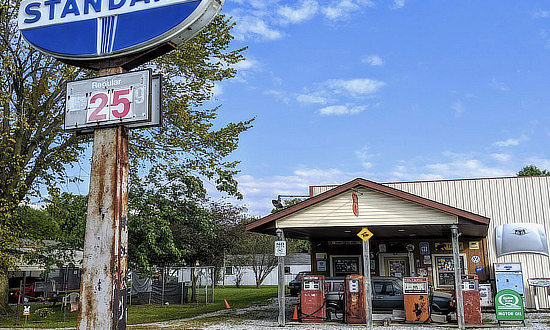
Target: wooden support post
103,285
458,278
368,287
281,292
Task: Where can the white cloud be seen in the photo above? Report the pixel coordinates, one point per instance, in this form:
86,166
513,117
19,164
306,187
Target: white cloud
342,9
339,110
541,14
499,85
373,60
510,142
311,99
247,64
468,168
258,192
364,157
250,26
355,87
458,108
306,11
501,157
397,4
217,90
279,95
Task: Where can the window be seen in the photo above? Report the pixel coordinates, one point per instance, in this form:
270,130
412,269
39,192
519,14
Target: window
287,269
228,270
444,276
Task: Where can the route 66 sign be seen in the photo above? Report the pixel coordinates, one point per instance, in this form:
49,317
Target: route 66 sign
280,248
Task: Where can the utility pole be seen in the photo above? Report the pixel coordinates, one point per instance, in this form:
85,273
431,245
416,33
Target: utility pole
103,286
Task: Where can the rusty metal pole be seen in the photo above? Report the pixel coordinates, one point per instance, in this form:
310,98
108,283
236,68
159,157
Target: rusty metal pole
103,286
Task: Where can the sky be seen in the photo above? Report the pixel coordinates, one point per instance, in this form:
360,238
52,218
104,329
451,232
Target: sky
386,90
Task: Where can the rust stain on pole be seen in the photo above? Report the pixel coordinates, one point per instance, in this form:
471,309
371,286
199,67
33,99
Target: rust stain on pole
104,265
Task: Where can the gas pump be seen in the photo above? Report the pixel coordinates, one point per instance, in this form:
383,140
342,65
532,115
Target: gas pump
471,298
354,300
417,301
312,299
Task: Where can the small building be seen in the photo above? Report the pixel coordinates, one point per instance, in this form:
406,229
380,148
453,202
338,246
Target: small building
238,266
412,223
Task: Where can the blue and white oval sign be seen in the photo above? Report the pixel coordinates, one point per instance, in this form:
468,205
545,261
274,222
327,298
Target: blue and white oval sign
99,29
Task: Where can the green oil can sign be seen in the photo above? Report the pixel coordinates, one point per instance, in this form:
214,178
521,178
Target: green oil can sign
509,306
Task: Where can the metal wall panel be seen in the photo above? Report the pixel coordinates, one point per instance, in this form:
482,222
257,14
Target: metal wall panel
503,200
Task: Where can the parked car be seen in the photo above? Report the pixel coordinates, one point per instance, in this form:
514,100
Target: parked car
387,295
295,286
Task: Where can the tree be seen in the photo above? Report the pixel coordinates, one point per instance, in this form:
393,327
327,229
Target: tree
532,170
34,150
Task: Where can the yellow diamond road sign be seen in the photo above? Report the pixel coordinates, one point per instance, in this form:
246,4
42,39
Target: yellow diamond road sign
365,234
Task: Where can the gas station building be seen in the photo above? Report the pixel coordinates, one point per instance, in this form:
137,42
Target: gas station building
412,224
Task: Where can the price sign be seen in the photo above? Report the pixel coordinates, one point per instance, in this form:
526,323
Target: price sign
123,99
280,248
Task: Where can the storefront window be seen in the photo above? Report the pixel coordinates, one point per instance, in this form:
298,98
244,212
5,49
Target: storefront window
444,275
345,266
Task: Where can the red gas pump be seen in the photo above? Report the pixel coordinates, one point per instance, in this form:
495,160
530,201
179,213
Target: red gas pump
312,299
471,298
354,299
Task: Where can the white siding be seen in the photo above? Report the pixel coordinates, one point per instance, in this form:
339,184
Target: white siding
503,200
375,208
272,277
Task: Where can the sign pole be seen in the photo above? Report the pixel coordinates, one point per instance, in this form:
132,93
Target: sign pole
103,285
458,278
365,235
281,289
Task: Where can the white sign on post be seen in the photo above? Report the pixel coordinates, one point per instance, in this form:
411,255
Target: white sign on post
280,248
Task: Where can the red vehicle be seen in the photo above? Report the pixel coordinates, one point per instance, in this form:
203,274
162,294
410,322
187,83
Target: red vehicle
29,292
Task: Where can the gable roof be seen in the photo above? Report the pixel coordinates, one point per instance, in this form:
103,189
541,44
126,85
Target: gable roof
267,220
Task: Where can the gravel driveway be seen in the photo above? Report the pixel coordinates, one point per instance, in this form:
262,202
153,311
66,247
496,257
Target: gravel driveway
265,317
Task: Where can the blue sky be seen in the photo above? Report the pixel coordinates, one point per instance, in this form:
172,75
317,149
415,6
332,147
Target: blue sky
386,90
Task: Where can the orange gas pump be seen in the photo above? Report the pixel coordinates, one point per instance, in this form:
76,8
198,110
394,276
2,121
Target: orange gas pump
471,298
312,299
417,301
354,300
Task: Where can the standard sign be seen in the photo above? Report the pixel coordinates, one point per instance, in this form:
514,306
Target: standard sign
109,100
280,248
99,29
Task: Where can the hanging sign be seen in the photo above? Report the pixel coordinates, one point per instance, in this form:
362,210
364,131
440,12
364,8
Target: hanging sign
509,306
101,29
110,100
355,204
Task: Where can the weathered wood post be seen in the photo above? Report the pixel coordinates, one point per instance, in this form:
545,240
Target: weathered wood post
458,277
104,264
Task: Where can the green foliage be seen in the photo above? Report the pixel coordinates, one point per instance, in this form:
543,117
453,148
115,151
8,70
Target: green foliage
173,223
532,170
34,150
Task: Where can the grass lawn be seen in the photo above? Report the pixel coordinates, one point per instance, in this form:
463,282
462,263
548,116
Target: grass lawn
237,298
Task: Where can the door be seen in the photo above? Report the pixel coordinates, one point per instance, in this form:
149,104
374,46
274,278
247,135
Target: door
397,266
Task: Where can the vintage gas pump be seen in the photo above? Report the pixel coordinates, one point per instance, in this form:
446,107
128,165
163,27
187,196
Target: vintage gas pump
471,298
312,299
354,300
417,301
